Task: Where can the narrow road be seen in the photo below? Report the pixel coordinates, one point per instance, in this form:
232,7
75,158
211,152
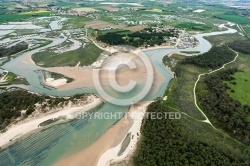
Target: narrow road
195,85
195,100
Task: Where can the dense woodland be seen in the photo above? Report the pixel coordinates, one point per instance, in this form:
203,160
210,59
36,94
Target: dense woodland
13,50
241,46
167,142
136,39
11,104
224,111
214,58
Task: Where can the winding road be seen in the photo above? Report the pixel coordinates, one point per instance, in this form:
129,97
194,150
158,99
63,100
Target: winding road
195,85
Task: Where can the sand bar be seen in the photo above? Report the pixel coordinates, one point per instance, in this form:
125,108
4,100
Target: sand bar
111,139
137,112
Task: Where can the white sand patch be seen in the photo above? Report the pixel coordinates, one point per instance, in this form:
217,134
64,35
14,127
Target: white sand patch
78,64
165,98
56,83
230,24
3,79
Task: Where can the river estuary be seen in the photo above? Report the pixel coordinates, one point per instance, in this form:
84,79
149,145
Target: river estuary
48,146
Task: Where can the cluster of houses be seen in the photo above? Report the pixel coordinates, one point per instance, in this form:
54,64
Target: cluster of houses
160,29
184,40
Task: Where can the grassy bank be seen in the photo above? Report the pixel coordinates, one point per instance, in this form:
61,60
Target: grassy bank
85,56
180,90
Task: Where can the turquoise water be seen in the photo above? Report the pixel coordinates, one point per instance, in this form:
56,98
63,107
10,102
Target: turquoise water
46,147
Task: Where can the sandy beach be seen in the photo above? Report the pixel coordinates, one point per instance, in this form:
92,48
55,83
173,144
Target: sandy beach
108,145
90,155
137,113
16,131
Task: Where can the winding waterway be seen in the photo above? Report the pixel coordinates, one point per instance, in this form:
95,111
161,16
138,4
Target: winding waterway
46,147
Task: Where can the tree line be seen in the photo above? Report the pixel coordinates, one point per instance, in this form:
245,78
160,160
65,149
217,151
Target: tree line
225,112
214,58
12,103
241,46
13,50
167,142
136,39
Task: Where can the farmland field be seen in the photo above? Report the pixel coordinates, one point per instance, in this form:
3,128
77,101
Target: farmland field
96,24
234,18
192,26
40,12
12,17
78,21
155,10
109,8
22,16
136,28
241,89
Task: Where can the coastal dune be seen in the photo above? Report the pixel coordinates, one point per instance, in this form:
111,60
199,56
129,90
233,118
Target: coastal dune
20,129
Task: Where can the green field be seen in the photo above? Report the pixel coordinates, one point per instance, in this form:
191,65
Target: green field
78,21
242,79
86,56
242,87
40,13
192,26
234,18
155,10
247,30
12,17
119,31
23,16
